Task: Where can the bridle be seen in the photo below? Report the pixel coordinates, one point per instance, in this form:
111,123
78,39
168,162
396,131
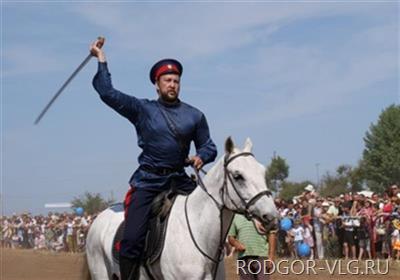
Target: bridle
224,193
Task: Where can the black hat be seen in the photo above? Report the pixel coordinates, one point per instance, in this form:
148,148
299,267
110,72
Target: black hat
165,66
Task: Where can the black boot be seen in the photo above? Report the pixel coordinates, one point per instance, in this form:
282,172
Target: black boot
129,268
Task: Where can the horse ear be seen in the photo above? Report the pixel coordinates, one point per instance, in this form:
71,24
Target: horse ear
229,145
248,145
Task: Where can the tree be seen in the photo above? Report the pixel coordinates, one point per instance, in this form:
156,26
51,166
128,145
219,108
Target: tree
381,156
91,203
346,179
276,173
352,177
333,185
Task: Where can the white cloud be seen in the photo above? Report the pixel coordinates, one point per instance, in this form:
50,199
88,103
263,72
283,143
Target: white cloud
289,80
196,29
284,81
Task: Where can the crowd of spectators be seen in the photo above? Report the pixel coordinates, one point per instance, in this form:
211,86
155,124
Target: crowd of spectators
57,232
359,225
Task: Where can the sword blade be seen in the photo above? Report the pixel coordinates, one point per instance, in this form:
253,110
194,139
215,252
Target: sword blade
84,62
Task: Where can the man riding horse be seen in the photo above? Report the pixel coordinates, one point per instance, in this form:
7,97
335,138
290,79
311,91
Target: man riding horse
165,128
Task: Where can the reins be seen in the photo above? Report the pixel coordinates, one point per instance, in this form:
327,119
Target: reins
221,206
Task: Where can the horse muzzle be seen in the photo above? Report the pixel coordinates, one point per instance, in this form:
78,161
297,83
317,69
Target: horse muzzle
270,225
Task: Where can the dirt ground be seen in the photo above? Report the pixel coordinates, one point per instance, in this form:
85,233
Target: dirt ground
33,265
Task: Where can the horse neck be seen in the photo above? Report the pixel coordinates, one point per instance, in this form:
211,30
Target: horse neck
205,217
214,180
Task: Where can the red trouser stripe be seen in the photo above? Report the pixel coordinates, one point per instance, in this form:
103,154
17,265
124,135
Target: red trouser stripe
128,200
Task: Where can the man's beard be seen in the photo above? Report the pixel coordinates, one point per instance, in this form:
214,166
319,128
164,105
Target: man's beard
170,98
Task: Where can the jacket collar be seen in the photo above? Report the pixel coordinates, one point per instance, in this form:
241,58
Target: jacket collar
168,104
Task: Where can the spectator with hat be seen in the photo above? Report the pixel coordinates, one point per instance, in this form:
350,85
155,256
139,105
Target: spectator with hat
165,129
309,189
367,209
326,220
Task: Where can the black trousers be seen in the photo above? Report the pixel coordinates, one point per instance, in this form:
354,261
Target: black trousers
138,203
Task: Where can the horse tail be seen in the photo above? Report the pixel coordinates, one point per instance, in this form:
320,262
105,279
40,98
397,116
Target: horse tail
85,269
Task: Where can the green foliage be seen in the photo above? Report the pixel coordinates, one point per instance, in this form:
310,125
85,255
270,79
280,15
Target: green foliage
276,172
91,203
333,185
357,178
346,179
292,189
381,156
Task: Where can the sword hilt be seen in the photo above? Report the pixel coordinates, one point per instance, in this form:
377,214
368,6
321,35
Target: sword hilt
100,42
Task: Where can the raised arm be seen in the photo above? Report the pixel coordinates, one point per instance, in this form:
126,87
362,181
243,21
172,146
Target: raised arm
126,105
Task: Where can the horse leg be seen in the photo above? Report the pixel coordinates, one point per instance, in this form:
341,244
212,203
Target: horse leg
97,266
220,275
96,244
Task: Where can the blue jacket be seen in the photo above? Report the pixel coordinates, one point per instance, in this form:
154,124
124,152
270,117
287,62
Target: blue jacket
160,149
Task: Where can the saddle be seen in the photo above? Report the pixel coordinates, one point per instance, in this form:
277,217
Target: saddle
157,228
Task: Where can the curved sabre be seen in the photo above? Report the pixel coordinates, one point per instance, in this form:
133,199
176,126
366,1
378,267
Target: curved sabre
84,62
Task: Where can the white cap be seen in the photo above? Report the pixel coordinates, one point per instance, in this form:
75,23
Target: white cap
366,193
325,203
309,188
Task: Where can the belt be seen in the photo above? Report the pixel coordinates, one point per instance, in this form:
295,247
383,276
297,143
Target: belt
160,170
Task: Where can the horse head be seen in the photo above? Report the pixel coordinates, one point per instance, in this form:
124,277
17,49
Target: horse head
244,189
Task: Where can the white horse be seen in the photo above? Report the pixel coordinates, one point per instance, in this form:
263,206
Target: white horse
198,223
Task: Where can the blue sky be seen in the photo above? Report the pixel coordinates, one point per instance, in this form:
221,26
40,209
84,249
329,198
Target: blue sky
304,79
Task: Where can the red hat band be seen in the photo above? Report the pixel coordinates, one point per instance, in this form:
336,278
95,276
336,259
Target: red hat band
164,69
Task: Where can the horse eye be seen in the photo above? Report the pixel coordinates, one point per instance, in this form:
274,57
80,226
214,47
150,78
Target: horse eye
238,177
